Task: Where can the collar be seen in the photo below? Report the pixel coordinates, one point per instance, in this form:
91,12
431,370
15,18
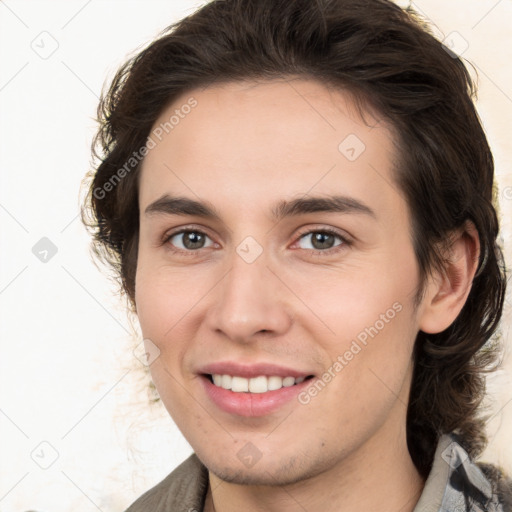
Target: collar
455,483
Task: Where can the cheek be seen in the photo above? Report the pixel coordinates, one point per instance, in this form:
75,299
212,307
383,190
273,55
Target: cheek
165,297
153,307
171,306
368,341
356,303
163,303
365,322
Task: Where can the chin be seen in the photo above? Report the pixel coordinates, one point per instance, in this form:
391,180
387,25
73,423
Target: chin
286,471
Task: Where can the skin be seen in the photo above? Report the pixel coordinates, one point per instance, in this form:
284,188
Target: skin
242,149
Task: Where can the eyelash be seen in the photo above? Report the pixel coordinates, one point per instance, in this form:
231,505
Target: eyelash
345,242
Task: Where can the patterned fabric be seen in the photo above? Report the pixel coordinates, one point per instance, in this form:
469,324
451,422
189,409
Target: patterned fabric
456,484
467,488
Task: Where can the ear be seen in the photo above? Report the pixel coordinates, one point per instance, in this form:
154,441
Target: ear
447,292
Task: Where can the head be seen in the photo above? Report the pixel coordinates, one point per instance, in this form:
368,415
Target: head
250,104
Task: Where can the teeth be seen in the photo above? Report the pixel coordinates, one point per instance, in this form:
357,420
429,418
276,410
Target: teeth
259,384
275,383
226,381
288,381
239,385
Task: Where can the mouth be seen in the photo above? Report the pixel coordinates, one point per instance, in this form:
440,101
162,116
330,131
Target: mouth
255,396
259,384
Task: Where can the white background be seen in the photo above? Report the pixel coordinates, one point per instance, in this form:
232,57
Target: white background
68,377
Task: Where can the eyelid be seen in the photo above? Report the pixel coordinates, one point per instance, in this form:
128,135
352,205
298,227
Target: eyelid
345,239
343,235
166,237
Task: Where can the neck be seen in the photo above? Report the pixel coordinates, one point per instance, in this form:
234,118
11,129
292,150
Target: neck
379,475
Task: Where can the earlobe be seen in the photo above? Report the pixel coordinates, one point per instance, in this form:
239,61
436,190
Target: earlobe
447,292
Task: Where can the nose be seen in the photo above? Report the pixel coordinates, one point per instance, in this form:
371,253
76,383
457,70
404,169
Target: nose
248,302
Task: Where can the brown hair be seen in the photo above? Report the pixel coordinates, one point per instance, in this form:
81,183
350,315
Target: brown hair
378,52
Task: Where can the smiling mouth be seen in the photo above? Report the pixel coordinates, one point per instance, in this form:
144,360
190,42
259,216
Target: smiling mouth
260,384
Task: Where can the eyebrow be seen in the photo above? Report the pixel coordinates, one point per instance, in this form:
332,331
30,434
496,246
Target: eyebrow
168,205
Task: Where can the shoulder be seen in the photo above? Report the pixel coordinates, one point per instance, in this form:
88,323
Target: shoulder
184,489
500,482
458,483
485,484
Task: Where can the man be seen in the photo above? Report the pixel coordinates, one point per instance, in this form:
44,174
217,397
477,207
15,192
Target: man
297,197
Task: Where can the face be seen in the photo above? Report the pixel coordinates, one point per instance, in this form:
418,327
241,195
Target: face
276,279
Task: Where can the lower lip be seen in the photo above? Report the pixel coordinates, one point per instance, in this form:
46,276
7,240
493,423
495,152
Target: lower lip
251,404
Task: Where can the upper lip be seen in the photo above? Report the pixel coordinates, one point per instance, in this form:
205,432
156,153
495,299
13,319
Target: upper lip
251,370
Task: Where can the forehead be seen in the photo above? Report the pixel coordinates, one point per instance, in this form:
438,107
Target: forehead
248,142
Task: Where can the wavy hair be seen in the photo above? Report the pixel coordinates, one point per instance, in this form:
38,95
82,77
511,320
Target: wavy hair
387,58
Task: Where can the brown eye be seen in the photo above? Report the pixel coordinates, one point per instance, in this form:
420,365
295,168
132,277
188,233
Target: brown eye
320,240
190,240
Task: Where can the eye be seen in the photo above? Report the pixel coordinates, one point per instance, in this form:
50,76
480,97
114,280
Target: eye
321,240
189,240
